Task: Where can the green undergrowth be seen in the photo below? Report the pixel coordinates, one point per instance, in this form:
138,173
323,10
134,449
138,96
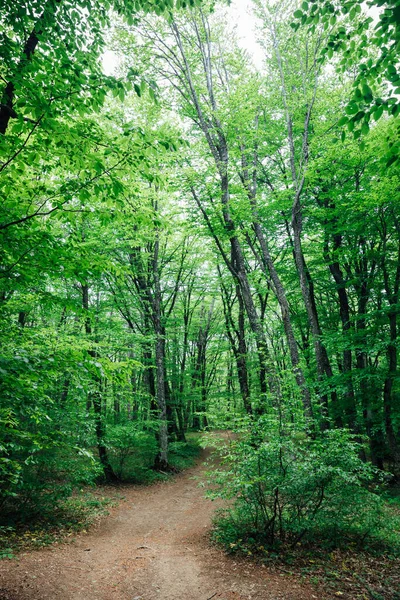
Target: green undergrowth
50,519
347,569
183,455
309,506
347,573
71,515
285,489
237,535
137,467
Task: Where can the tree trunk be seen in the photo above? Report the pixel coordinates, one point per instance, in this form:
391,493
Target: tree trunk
6,107
324,368
216,140
390,394
350,409
161,461
287,324
95,398
241,362
254,321
250,184
366,393
237,338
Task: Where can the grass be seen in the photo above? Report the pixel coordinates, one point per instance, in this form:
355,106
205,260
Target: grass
343,572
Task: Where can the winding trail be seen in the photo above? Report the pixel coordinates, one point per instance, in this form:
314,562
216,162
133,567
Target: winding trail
153,546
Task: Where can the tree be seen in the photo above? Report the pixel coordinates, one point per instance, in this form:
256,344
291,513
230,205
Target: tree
369,46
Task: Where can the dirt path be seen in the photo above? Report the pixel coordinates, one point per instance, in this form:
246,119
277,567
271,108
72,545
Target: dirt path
153,546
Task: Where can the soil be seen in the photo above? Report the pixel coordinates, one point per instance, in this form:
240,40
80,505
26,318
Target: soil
154,546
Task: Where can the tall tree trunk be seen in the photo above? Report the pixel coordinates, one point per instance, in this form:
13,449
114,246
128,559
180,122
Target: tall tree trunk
95,397
148,377
161,461
367,395
391,397
350,409
213,132
181,437
200,367
324,368
241,362
250,184
237,338
287,324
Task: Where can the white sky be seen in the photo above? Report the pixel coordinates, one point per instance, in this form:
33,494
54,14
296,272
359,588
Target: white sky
240,12
241,17
244,20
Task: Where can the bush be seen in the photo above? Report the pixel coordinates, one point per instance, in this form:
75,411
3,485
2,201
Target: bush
46,477
131,449
183,455
43,437
287,488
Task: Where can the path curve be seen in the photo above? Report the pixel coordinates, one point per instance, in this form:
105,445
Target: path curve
153,546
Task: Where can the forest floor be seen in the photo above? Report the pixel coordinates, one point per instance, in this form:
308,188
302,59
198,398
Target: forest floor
153,546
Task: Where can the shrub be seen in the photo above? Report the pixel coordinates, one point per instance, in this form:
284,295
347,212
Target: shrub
43,437
46,477
284,487
183,454
131,449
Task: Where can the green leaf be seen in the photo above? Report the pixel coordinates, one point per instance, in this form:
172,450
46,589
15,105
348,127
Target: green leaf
32,158
351,108
152,94
365,128
378,113
392,160
360,115
367,92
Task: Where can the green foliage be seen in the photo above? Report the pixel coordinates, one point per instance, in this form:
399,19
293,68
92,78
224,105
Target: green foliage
69,516
288,488
117,241
132,449
184,454
368,44
44,477
40,463
53,477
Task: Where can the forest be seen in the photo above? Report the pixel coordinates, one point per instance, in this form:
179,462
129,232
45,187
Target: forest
200,233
